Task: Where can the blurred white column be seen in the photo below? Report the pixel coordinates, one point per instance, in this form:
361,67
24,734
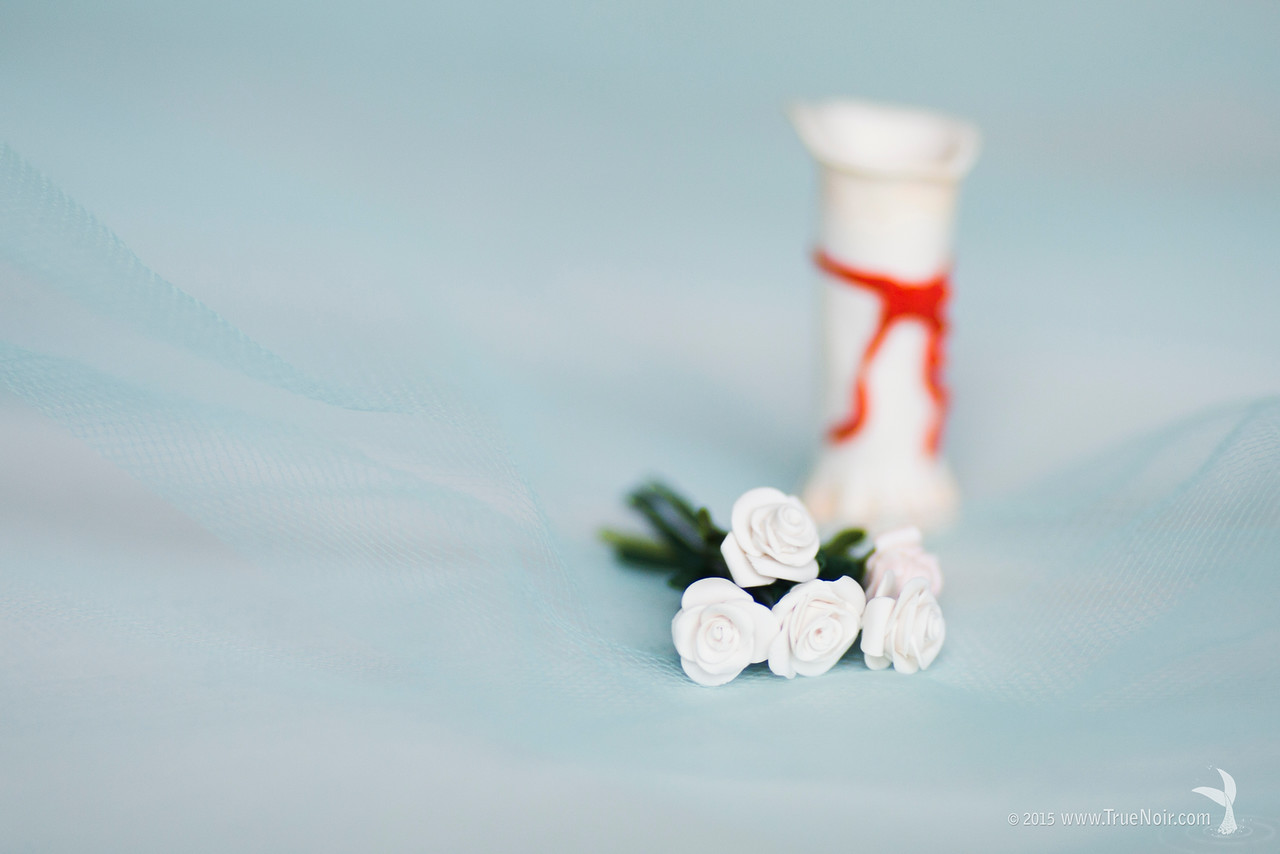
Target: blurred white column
889,183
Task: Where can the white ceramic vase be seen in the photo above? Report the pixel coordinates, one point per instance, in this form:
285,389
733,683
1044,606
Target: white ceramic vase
889,179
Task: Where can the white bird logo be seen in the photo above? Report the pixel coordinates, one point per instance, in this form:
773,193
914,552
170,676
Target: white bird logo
1224,797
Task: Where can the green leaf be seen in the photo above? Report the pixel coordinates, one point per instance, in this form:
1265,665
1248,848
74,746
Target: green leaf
768,595
670,524
840,568
835,560
842,542
682,579
712,535
688,540
675,499
641,551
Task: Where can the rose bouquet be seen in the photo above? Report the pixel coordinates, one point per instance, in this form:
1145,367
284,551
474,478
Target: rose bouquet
768,588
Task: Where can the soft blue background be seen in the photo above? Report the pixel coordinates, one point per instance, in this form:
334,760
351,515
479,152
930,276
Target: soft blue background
585,227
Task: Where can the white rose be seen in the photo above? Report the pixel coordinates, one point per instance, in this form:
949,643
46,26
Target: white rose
773,537
819,621
906,632
720,630
898,558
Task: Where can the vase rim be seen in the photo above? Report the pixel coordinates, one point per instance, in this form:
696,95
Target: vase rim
879,140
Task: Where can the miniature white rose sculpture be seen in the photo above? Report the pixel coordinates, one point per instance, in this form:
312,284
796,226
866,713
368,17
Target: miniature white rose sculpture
819,621
899,556
719,630
773,536
906,632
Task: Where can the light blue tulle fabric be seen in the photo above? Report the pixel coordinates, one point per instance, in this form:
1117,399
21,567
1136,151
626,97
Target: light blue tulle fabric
376,546
275,584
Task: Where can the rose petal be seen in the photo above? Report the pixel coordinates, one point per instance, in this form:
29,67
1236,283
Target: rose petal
802,572
898,557
737,662
747,618
712,591
882,582
780,656
800,542
876,662
705,677
851,593
772,541
720,631
817,667
938,635
808,608
931,651
901,630
875,620
711,652
684,630
763,565
898,538
808,553
766,631
744,507
740,567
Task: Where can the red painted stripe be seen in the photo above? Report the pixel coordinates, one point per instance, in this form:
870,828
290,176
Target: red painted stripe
920,301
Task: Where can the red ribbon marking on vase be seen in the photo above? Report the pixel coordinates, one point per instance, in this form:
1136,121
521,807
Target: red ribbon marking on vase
919,301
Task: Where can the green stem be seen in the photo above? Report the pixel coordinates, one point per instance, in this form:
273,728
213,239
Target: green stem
688,545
